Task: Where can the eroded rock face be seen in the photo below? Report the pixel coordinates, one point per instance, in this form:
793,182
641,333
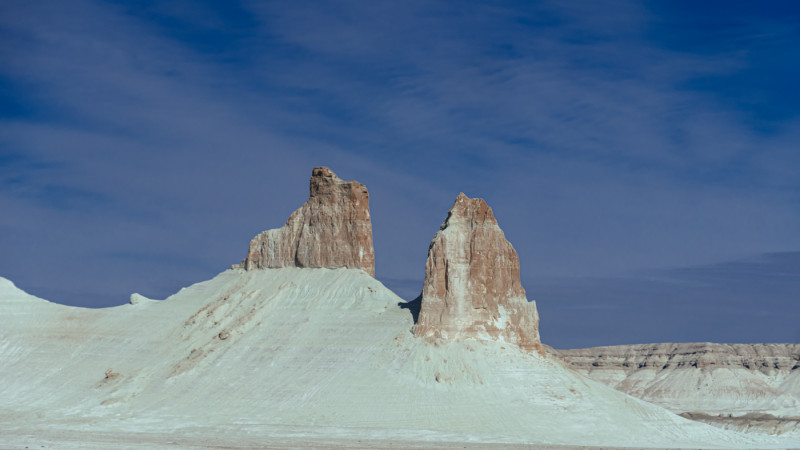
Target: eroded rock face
332,229
747,387
764,358
472,287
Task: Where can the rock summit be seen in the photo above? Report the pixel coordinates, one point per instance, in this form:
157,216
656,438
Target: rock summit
332,229
472,286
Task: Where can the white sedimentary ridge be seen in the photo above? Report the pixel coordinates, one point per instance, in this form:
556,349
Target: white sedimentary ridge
752,387
299,356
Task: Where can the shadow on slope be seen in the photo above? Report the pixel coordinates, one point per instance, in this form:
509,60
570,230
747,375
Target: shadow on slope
413,306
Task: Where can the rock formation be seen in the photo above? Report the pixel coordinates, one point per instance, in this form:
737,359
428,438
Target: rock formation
753,387
332,229
767,359
472,287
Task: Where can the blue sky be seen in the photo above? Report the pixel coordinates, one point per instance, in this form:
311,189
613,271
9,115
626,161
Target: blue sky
642,157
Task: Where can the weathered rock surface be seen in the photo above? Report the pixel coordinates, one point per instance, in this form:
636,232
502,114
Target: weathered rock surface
750,422
332,229
300,358
764,358
472,287
742,386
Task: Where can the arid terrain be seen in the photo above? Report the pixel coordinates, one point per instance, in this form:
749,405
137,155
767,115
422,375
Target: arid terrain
749,387
300,346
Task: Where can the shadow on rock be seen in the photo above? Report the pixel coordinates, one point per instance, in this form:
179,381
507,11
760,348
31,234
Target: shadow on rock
413,306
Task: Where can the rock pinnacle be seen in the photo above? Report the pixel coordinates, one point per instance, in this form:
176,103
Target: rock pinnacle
472,286
332,229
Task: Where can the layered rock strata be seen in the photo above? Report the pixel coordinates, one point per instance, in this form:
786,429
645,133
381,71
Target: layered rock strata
764,358
332,229
472,288
753,387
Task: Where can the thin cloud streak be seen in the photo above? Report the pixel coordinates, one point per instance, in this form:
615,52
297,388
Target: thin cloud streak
171,131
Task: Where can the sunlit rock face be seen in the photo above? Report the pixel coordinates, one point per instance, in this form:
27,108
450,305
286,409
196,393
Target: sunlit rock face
332,229
745,387
472,286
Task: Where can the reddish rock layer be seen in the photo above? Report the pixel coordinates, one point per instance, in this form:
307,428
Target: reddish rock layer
472,287
332,229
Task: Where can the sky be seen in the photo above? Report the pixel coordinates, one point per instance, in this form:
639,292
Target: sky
641,157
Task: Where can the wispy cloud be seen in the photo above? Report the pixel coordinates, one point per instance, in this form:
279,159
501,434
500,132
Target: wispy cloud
606,137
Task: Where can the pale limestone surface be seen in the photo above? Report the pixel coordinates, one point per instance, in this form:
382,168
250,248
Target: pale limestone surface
314,357
757,384
472,288
332,229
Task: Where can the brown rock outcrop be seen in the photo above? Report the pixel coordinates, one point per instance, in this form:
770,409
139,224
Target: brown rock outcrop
332,229
472,287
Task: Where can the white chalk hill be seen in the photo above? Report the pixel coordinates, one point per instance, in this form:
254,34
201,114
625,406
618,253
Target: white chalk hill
285,353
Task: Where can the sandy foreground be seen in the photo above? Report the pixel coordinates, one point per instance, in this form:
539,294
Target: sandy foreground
287,358
201,439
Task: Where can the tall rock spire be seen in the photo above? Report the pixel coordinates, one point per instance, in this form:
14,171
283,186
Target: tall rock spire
472,287
332,229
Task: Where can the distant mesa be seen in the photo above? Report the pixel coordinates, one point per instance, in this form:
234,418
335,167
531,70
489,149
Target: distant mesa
331,230
472,285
